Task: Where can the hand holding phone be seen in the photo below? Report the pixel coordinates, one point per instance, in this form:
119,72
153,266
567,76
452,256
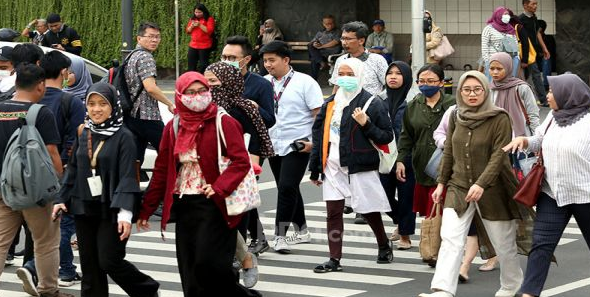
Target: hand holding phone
58,214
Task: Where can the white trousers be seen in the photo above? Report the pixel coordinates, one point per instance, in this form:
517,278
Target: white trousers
453,232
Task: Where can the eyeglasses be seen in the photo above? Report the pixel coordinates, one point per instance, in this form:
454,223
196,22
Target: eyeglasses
467,91
153,37
231,58
347,39
428,81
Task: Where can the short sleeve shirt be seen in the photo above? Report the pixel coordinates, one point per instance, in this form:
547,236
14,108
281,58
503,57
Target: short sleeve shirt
12,117
294,113
375,70
140,67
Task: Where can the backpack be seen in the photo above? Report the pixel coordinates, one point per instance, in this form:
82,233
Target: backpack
28,177
65,103
387,152
116,77
8,94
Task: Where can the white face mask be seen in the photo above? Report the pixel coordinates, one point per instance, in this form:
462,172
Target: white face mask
505,18
4,73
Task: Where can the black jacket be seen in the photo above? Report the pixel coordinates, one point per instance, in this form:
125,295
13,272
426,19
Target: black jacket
356,151
67,37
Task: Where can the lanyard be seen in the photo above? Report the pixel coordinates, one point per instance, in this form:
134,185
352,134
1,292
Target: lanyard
93,156
278,96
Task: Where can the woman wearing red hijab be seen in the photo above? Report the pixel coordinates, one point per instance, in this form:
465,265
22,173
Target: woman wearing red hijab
186,177
499,36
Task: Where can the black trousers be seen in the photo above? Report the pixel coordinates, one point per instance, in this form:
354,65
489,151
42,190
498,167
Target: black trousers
205,249
145,132
550,223
198,59
401,209
288,172
316,56
102,253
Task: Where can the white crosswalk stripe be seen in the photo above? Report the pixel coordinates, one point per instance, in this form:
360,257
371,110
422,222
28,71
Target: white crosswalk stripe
281,275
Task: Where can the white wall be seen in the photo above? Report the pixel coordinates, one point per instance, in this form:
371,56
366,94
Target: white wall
458,16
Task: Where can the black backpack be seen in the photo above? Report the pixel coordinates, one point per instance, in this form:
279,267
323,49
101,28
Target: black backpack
8,94
116,77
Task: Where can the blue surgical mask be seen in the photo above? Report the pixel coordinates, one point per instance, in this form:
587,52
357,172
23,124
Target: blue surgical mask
348,83
429,91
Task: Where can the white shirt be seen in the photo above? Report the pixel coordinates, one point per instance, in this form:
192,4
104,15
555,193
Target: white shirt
294,117
375,70
566,154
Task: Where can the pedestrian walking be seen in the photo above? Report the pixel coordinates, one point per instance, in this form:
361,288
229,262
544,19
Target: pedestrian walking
101,190
187,179
344,155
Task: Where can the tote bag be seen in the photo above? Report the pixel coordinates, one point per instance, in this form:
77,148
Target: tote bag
443,50
387,152
246,196
430,235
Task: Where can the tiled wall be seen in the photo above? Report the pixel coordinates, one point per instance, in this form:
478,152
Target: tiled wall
458,16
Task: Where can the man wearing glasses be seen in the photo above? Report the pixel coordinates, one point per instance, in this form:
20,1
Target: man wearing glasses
354,35
35,31
144,119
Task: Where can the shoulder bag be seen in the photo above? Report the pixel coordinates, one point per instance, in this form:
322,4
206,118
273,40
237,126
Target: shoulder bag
443,50
387,152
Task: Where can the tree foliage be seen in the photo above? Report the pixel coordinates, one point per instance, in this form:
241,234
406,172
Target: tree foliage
99,23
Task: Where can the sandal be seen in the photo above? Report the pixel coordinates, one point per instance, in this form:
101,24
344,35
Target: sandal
489,265
331,265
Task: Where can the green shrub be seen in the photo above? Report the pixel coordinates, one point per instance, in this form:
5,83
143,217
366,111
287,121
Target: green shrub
99,23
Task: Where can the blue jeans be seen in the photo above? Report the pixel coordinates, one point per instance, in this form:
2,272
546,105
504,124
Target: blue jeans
546,72
67,269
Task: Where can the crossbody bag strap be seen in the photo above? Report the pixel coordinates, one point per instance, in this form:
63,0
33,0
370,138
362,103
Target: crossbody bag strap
540,160
526,114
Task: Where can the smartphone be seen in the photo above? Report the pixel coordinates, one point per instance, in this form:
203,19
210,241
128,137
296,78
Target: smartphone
58,214
54,45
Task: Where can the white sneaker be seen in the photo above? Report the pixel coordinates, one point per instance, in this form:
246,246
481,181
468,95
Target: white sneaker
299,237
436,294
281,246
506,293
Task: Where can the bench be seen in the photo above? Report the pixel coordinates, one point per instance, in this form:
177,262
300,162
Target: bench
299,46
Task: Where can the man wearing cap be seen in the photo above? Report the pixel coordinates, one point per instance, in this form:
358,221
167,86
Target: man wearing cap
37,35
7,76
325,43
380,41
61,36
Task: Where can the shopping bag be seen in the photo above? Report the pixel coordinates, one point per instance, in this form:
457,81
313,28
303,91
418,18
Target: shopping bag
430,235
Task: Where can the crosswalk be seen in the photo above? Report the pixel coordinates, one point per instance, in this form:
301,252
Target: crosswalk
285,275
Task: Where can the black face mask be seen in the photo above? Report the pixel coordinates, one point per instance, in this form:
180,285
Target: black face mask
427,24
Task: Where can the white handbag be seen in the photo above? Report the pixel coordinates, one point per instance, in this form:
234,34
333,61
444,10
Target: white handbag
387,152
246,196
443,50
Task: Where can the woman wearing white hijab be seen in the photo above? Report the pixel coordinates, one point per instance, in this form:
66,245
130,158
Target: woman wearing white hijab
347,161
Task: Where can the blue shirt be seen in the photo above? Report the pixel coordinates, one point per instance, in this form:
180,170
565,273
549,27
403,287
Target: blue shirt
259,90
52,99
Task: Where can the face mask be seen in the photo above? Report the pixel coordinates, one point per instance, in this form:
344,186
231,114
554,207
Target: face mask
198,102
268,30
429,91
348,83
4,73
505,19
427,25
233,63
65,83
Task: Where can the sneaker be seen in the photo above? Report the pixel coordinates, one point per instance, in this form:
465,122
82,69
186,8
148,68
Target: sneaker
281,246
9,260
250,275
359,219
299,237
29,281
258,247
506,293
436,294
70,281
19,253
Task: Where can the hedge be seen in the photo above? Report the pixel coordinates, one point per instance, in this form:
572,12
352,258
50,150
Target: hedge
99,22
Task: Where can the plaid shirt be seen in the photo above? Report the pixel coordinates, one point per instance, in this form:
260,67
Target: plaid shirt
140,67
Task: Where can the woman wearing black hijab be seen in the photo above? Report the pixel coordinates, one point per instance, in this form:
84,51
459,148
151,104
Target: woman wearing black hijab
398,80
100,189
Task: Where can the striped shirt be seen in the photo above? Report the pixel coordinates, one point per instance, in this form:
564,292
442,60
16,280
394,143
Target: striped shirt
566,153
491,42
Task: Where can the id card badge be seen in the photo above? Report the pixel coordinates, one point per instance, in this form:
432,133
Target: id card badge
95,185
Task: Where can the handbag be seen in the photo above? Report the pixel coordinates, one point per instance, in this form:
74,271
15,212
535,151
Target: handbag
246,196
532,51
509,45
387,152
529,188
443,50
432,166
430,235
